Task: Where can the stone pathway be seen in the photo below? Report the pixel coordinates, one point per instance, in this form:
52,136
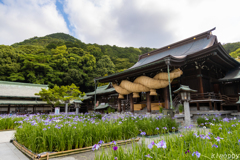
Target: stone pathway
7,150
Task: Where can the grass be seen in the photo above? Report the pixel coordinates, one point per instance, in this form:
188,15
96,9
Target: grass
222,142
9,122
64,132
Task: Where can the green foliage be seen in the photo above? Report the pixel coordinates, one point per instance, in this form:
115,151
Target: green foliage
62,59
235,54
180,108
57,95
214,144
231,47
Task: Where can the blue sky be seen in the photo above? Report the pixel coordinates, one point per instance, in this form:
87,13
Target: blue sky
137,23
60,8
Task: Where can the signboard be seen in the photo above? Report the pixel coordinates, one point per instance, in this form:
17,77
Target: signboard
57,110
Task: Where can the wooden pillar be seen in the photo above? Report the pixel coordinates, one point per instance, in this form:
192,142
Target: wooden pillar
210,105
238,108
215,106
8,109
148,102
198,106
166,98
221,108
119,105
200,81
124,106
131,103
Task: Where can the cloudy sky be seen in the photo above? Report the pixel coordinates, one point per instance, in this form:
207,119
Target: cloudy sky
137,23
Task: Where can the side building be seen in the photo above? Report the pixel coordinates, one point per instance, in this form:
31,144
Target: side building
20,98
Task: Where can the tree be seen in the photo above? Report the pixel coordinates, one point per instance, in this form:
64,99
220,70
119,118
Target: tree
95,51
57,95
235,54
105,66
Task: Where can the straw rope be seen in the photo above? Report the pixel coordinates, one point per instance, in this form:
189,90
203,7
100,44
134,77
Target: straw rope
146,84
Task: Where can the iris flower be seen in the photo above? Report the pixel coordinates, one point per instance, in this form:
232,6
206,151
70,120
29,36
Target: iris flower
197,154
148,156
214,145
115,148
143,133
218,139
161,144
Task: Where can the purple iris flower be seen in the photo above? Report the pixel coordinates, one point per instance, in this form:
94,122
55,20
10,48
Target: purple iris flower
150,146
220,128
218,139
44,129
161,144
148,156
214,145
196,153
143,133
113,142
95,147
173,128
100,142
115,148
157,128
187,152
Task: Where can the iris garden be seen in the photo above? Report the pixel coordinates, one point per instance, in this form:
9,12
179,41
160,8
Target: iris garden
222,141
54,133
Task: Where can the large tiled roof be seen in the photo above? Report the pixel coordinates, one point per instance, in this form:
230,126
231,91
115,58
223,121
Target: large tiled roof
102,90
16,89
232,75
177,52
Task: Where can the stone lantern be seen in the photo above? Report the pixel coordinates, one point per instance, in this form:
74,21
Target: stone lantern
77,105
185,93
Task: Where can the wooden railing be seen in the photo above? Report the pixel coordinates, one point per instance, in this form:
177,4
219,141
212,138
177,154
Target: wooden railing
226,100
176,100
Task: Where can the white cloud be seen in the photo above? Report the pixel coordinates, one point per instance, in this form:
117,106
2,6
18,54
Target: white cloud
24,19
147,23
151,23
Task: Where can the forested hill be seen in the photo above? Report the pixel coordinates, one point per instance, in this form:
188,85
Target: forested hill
62,59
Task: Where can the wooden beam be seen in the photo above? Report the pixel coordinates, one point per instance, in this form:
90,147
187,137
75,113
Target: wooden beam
148,102
8,109
210,105
198,106
119,105
131,103
215,106
166,98
200,81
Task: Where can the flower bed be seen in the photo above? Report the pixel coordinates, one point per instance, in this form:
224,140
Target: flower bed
207,121
66,132
223,142
8,122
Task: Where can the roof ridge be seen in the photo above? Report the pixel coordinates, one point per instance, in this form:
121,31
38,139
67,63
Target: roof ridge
176,44
22,84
